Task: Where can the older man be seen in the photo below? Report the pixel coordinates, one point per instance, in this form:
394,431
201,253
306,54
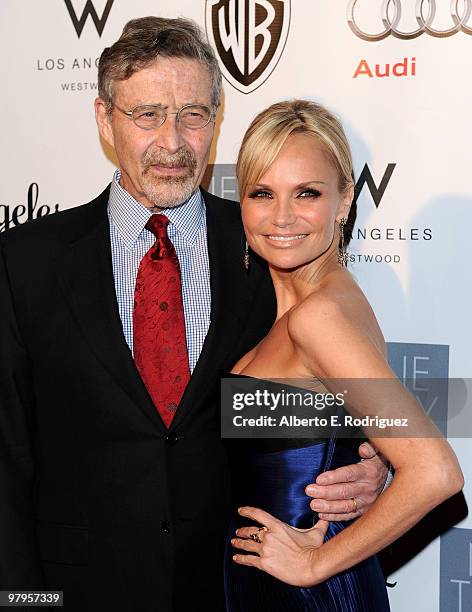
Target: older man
117,319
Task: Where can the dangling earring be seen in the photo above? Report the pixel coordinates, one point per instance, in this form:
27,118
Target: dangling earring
343,255
246,257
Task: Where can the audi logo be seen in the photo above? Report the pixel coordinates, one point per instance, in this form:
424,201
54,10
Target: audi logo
425,22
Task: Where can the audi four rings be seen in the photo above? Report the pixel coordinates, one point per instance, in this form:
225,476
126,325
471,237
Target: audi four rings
425,22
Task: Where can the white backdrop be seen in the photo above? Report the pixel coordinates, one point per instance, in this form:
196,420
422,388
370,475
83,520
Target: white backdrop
410,251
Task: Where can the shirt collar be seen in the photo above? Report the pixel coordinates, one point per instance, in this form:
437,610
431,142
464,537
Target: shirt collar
129,216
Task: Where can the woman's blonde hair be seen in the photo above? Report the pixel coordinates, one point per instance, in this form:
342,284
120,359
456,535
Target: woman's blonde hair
271,128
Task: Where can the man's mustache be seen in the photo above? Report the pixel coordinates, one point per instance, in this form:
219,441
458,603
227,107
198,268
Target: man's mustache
181,158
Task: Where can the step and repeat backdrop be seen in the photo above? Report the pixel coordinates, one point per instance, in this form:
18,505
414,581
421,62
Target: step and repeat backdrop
398,73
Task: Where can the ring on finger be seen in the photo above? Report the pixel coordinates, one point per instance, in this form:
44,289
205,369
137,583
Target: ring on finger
256,537
355,505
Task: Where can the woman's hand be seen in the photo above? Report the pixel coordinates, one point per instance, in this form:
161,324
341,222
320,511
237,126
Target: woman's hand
285,552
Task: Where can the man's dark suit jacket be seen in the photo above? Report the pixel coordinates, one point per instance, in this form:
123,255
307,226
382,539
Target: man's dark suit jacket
97,497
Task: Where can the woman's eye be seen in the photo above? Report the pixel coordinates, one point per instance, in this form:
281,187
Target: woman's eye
309,193
260,194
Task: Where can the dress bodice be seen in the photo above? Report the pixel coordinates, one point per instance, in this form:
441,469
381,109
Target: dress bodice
272,474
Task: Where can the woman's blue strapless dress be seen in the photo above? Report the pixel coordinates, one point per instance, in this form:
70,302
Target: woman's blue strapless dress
272,475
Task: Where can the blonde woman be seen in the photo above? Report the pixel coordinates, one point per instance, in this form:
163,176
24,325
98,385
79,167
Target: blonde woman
295,177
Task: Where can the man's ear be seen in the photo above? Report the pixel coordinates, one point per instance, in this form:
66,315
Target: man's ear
345,204
103,120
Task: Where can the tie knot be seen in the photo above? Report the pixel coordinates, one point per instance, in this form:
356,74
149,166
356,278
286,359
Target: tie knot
157,224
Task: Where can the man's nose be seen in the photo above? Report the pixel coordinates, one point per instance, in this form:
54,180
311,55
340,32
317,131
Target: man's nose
169,135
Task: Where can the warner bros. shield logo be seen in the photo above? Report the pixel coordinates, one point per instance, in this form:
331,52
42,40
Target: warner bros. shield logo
249,36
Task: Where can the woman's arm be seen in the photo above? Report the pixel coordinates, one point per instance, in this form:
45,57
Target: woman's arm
333,343
334,346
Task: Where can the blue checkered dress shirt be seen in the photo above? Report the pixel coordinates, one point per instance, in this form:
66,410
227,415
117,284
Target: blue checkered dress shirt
130,241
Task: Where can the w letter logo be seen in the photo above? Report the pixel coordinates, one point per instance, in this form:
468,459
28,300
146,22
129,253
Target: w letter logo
89,9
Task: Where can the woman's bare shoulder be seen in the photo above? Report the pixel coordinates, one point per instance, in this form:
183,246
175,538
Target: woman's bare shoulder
338,299
336,319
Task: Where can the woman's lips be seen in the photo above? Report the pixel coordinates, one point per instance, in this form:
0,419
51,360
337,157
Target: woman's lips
284,240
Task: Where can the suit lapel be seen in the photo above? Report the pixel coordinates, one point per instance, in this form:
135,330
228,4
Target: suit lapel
85,273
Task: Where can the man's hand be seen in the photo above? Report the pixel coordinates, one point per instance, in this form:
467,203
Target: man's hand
349,491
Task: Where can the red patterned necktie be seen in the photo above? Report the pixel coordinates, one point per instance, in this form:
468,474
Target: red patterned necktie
160,346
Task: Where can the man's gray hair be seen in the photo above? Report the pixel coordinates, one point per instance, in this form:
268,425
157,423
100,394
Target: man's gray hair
146,39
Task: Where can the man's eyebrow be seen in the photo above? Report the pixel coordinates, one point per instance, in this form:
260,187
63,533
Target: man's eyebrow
141,103
166,106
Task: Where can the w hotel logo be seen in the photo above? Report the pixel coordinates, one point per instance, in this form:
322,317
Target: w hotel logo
89,9
249,36
456,571
388,13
